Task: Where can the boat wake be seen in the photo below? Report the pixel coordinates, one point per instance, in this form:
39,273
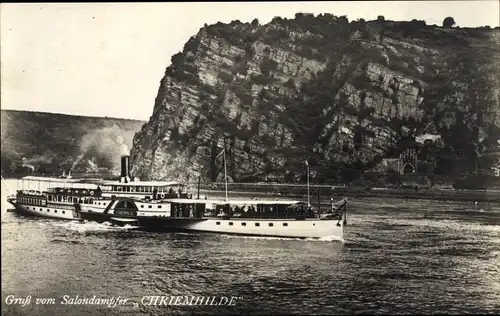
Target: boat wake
87,226
327,238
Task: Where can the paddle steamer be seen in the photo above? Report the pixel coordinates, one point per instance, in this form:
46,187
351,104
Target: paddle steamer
64,202
60,203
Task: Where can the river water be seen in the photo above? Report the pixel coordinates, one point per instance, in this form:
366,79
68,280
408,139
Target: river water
401,257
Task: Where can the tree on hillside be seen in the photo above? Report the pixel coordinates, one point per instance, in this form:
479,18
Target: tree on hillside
448,22
381,21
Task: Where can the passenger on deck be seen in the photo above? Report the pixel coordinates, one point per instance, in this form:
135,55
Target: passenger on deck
155,193
251,209
310,212
98,191
170,191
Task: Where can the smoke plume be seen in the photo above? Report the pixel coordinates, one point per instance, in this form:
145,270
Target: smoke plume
107,145
93,165
78,159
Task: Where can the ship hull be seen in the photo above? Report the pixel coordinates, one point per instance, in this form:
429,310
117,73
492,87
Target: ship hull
46,211
152,223
310,228
285,228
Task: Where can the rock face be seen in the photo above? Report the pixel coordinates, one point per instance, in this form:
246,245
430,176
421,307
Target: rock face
317,88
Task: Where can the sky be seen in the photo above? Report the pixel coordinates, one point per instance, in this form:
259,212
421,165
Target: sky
107,59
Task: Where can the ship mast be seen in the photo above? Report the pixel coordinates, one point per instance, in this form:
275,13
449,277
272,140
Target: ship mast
225,170
308,196
223,152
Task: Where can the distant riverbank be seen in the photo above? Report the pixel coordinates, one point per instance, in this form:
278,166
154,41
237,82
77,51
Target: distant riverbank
300,192
428,194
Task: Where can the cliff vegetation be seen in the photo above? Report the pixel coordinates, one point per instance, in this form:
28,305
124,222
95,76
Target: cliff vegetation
343,95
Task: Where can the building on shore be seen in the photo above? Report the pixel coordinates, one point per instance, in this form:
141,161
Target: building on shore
391,164
428,138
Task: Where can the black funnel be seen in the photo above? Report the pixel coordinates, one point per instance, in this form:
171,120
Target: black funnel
125,167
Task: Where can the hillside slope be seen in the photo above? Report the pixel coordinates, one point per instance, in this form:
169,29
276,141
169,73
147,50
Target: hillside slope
52,143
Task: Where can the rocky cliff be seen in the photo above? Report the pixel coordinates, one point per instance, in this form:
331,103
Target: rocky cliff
340,94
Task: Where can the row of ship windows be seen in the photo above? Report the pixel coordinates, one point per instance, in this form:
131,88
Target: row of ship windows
256,224
69,199
31,201
147,189
142,206
48,211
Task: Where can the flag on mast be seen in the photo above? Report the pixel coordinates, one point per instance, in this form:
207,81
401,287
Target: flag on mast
307,163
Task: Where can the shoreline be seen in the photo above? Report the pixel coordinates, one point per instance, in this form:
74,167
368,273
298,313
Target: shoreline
298,191
463,196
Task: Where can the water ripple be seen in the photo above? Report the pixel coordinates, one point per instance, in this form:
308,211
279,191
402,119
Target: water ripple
398,257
